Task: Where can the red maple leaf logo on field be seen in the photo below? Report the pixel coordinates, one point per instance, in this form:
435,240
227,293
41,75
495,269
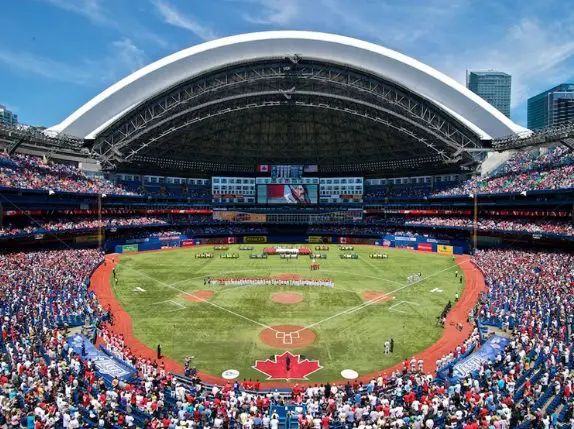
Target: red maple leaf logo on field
287,366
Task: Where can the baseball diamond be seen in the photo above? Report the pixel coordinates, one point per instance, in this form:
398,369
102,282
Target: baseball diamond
345,326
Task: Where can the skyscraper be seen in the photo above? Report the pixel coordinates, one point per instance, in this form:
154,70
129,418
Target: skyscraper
552,107
7,117
492,86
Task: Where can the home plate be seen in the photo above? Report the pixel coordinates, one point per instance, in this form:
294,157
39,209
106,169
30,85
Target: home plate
230,374
349,374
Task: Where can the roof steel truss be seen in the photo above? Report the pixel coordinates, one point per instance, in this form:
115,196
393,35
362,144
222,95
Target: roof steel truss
273,83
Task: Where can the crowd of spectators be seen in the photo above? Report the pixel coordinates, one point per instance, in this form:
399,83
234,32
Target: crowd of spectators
44,384
531,294
525,171
535,160
535,226
528,170
379,193
62,224
375,225
226,230
82,223
30,172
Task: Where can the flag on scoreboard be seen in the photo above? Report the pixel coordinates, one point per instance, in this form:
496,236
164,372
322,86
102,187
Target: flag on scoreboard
263,168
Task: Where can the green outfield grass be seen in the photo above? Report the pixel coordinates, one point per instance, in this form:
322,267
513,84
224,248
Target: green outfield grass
225,334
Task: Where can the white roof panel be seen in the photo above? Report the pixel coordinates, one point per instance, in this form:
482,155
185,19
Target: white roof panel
94,116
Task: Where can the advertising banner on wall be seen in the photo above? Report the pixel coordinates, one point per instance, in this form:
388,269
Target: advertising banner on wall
235,216
424,247
315,239
475,360
106,365
443,249
88,238
255,239
190,243
129,248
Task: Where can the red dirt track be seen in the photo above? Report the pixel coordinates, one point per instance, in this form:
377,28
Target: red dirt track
100,284
287,336
287,298
198,296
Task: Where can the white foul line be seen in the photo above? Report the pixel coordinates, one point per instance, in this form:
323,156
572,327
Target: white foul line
205,301
375,300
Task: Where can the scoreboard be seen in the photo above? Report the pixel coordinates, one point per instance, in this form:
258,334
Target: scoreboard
287,171
335,190
233,190
286,186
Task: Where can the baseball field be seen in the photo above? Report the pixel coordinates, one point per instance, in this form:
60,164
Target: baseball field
254,310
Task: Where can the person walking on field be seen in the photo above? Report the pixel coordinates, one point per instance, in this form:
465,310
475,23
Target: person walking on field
159,351
387,347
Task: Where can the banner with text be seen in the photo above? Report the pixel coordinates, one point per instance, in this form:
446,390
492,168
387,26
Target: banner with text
424,247
487,352
443,249
129,248
234,216
108,366
255,239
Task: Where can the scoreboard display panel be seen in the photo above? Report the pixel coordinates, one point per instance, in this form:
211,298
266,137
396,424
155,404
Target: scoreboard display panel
287,171
295,193
337,190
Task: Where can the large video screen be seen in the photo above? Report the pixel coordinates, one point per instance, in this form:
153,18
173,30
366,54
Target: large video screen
287,194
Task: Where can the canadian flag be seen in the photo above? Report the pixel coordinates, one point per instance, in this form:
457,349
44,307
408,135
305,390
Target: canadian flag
263,168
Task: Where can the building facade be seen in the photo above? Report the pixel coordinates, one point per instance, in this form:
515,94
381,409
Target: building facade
492,86
552,107
7,117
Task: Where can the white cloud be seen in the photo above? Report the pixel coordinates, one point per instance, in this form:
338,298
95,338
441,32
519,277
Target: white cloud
94,11
172,16
129,54
124,57
536,55
381,21
393,23
274,12
90,9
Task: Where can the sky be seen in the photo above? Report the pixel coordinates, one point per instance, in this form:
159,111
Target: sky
56,55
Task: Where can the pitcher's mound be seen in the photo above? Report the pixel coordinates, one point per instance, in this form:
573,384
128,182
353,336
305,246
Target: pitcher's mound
376,297
198,296
288,276
287,336
287,298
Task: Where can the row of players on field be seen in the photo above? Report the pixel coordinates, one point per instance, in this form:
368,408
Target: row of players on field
269,282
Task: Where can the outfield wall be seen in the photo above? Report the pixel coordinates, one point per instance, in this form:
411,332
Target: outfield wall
417,242
426,244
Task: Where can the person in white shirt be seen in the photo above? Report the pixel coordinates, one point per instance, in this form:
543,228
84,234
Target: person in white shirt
130,420
274,424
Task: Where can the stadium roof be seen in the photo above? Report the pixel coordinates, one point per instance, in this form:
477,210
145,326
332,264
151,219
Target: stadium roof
402,90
